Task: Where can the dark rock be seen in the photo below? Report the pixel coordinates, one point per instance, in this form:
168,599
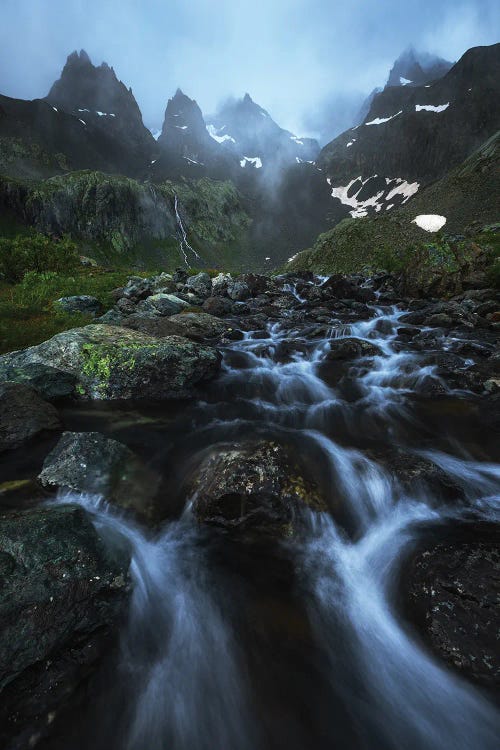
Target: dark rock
452,594
88,462
112,362
199,325
253,489
82,303
339,286
61,597
218,306
50,383
257,283
351,348
23,415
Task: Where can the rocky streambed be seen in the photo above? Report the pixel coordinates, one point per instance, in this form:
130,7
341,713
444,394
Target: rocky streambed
253,513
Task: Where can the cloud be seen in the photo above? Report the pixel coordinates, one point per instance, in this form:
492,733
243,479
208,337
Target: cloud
291,55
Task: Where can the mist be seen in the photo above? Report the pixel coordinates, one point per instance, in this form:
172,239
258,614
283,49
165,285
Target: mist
297,58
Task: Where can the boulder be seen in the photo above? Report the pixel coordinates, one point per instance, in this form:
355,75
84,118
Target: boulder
23,415
89,462
111,362
200,284
63,593
254,489
82,303
220,284
341,287
352,348
218,306
162,304
238,291
50,383
452,594
199,325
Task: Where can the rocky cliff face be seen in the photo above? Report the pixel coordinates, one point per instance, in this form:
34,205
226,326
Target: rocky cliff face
415,134
414,68
97,98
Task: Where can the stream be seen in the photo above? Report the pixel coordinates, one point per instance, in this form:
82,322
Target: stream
299,644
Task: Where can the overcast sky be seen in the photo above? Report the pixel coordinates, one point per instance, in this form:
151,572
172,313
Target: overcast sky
290,55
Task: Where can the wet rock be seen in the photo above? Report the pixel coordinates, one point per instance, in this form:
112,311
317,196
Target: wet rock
63,593
201,285
50,383
88,462
218,306
351,348
342,288
253,489
238,291
452,594
419,476
23,415
112,362
162,304
82,303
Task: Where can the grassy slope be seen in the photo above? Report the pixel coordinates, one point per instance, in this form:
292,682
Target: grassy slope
467,197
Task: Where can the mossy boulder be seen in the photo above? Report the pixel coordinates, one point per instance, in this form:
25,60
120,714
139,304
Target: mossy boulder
110,362
254,489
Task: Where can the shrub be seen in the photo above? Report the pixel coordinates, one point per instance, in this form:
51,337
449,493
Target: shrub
35,252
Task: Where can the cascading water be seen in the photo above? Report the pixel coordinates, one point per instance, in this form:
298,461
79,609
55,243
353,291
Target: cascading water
185,664
183,241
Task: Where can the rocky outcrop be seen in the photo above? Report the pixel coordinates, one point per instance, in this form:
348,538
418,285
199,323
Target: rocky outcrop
255,489
88,462
62,595
23,415
111,362
452,594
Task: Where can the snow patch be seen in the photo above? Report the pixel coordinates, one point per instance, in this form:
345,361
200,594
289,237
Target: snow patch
380,120
430,222
214,133
402,188
404,81
181,127
292,258
256,161
348,145
55,109
154,161
84,110
82,121
431,107
388,208
360,208
297,140
268,258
